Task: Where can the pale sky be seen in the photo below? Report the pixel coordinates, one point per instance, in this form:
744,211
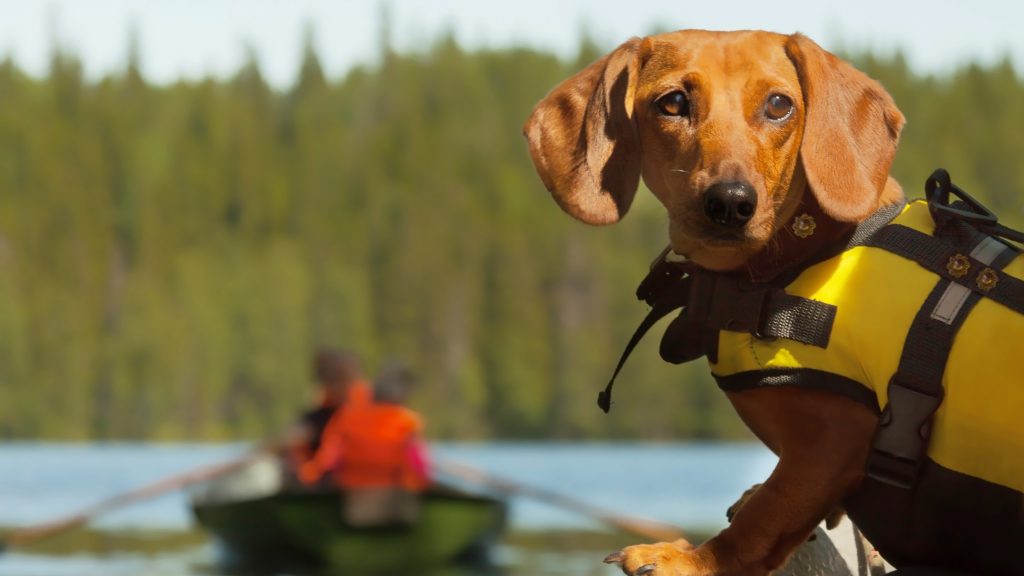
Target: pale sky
193,38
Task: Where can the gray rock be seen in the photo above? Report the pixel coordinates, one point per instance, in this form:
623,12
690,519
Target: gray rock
841,551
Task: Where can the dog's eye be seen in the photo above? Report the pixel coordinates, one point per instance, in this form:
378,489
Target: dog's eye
674,104
778,107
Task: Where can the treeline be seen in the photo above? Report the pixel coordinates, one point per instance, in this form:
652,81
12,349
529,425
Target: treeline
171,255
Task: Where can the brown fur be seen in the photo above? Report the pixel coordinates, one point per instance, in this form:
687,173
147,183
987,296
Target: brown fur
596,134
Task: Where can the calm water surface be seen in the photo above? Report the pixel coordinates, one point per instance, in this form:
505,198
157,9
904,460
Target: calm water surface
690,485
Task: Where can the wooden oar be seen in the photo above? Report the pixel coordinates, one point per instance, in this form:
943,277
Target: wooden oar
638,526
44,530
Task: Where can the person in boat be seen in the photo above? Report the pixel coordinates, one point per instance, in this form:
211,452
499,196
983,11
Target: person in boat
375,453
340,383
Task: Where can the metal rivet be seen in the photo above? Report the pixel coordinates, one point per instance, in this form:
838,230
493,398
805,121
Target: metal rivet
803,225
987,279
958,266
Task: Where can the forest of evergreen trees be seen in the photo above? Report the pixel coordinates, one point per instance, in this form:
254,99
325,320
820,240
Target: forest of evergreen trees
171,255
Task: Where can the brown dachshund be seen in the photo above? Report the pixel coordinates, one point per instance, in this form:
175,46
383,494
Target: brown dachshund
732,132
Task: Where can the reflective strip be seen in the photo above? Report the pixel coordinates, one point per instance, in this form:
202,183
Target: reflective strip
953,298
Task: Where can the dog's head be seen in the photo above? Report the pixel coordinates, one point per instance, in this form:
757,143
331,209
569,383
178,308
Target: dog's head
727,129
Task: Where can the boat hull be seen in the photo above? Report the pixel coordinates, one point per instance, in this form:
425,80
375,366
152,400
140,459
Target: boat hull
302,528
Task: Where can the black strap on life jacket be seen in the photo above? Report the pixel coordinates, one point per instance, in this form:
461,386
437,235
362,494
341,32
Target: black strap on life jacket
723,302
969,264
711,302
968,258
915,391
949,255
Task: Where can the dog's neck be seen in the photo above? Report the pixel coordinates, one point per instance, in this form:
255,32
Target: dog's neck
797,244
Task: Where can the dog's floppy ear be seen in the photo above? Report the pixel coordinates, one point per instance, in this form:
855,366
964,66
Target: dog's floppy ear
583,138
851,129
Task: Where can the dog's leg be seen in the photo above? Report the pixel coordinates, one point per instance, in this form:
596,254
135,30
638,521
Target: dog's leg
831,520
823,440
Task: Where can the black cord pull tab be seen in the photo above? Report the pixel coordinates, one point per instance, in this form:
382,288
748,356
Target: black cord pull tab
604,397
659,311
666,288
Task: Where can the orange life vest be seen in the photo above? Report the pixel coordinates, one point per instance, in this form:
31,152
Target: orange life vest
377,441
305,454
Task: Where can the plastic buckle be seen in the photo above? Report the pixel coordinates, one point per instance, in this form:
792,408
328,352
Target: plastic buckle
893,471
902,437
663,274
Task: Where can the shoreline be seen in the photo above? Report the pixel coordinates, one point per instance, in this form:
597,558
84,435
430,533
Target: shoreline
99,541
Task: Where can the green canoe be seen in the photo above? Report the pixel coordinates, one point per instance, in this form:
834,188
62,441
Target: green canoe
292,528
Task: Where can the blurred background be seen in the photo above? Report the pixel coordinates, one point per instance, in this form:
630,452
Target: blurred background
195,195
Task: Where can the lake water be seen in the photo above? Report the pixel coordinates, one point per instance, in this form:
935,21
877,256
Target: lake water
689,485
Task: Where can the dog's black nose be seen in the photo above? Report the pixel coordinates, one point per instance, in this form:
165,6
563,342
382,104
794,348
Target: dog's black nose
730,204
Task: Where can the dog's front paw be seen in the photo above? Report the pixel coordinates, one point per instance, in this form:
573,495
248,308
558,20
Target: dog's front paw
661,559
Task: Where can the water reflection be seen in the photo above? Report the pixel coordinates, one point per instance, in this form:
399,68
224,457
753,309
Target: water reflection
689,485
90,552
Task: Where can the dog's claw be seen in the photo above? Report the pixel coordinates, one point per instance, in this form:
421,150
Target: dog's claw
613,558
645,569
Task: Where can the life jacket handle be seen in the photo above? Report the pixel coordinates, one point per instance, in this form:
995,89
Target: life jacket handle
938,189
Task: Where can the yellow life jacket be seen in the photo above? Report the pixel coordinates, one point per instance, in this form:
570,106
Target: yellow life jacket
920,317
877,294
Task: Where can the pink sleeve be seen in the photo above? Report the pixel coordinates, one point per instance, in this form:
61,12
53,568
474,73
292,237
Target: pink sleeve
419,461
